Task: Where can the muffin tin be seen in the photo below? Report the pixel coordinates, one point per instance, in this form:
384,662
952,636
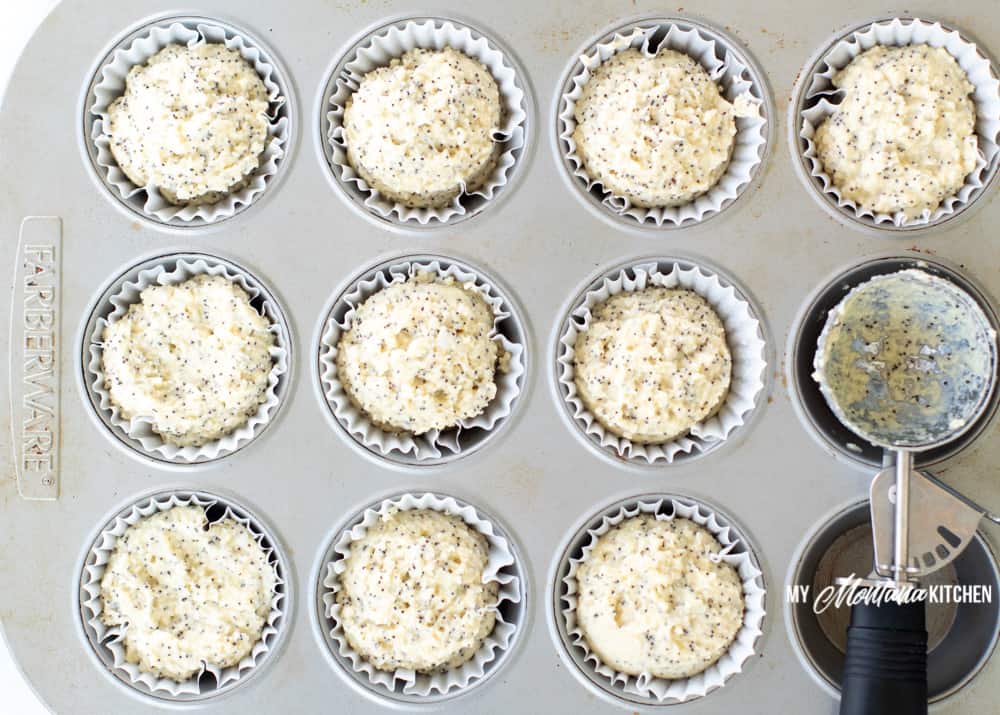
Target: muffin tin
536,476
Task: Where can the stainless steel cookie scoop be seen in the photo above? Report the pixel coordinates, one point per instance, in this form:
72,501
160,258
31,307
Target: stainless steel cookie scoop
907,361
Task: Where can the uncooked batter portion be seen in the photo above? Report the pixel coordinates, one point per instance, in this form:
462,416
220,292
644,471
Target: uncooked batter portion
421,355
192,122
652,363
193,358
413,593
424,128
187,592
907,353
655,130
654,598
904,136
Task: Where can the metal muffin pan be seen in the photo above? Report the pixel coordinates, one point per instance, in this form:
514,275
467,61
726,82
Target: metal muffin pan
539,241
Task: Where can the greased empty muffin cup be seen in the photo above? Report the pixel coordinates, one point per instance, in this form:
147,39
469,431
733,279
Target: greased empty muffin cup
434,446
646,688
109,84
502,568
390,42
107,642
819,98
725,65
172,270
744,336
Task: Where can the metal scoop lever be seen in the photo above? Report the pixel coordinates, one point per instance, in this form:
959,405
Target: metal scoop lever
942,522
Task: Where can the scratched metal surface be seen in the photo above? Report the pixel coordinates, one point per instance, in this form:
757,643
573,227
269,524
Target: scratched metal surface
538,478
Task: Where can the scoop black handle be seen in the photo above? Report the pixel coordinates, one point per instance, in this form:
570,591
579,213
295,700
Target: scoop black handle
885,670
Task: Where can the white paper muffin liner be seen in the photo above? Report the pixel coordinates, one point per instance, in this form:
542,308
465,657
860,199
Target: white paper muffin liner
435,444
821,98
501,568
743,336
110,84
725,67
110,640
389,43
172,270
663,690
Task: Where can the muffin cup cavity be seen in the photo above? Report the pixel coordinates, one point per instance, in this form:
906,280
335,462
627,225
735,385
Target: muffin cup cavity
744,336
378,49
818,100
646,688
435,446
108,641
109,84
725,65
502,568
138,432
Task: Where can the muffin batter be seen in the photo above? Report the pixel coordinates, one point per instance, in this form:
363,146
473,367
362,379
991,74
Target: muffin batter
186,594
194,358
652,363
904,136
653,599
419,355
412,593
421,129
655,130
192,122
